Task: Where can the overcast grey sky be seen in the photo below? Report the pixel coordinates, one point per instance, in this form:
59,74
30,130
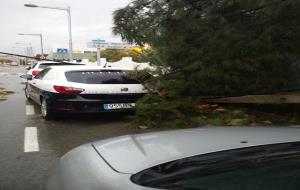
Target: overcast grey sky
90,19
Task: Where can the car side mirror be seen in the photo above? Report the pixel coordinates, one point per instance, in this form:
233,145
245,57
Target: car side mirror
28,77
23,76
28,68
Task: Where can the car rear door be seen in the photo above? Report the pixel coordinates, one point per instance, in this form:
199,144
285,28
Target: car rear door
36,85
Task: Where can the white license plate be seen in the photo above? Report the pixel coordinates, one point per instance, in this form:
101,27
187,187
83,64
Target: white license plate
118,106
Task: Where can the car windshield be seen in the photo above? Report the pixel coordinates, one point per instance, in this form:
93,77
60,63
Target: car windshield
99,77
279,175
272,167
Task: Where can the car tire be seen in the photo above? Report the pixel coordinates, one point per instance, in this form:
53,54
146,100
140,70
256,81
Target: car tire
47,113
27,95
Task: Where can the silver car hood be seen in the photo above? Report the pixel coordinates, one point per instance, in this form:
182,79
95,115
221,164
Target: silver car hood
134,153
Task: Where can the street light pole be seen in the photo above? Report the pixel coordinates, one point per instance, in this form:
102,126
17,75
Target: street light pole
25,50
28,46
42,49
41,38
99,56
68,10
70,34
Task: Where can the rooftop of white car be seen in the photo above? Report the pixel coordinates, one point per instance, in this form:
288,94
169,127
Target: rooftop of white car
83,67
47,62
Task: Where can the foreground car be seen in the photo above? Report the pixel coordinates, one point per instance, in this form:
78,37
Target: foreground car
83,89
195,159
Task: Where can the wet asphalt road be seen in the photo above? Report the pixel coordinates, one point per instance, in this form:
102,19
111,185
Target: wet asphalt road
30,170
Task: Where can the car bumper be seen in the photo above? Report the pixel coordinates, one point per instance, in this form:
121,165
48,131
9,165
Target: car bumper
89,107
92,103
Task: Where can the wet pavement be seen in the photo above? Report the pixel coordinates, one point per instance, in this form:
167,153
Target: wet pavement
30,170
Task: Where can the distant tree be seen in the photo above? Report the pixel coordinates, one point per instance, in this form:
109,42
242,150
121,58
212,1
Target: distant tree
5,60
39,56
212,47
113,55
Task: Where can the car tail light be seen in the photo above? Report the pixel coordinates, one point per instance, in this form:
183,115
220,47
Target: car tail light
35,72
67,90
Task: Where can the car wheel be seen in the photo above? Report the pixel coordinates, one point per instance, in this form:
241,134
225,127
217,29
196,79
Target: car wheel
47,113
27,95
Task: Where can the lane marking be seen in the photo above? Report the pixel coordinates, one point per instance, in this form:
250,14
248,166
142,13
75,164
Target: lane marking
30,110
31,143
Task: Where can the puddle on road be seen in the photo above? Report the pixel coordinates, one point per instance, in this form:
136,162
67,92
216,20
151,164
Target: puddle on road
4,93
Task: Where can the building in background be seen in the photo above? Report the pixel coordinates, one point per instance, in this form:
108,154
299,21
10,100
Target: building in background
62,53
87,51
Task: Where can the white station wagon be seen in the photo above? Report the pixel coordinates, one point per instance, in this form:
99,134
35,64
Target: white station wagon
83,89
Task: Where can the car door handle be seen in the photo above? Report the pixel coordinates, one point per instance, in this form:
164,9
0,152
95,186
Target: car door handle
33,83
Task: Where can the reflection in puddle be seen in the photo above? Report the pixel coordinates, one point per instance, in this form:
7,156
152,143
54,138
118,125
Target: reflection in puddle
4,93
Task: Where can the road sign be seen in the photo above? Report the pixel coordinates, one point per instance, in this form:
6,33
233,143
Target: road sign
62,50
99,44
98,41
103,44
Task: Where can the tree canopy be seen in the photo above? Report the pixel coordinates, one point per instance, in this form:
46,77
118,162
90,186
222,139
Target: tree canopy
113,55
5,60
216,47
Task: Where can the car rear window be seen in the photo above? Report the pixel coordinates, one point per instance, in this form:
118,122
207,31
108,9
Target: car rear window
100,77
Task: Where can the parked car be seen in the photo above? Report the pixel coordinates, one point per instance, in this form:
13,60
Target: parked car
83,89
37,67
13,63
206,158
